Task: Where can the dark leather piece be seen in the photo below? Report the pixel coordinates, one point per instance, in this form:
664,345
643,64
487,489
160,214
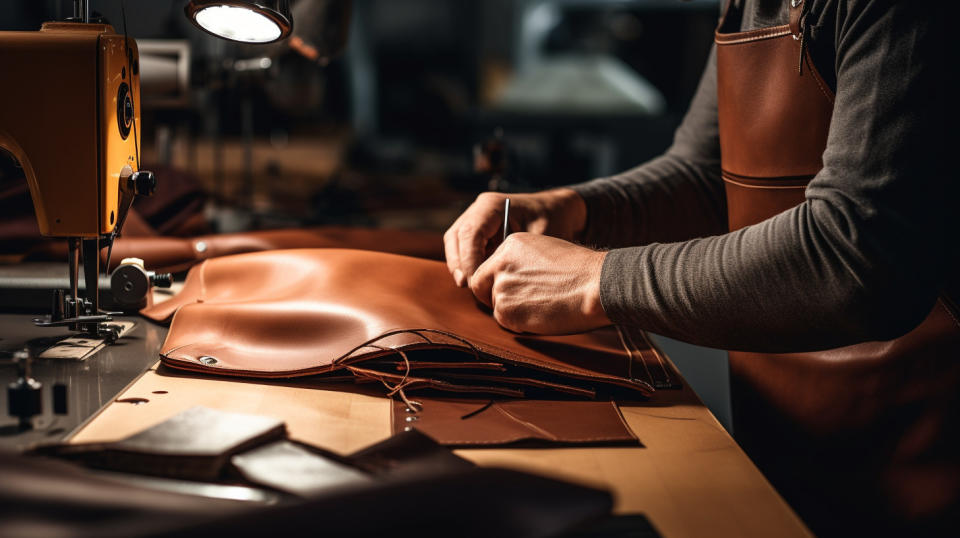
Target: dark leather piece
44,497
408,452
531,381
399,366
292,313
293,468
868,432
487,423
476,502
413,382
193,445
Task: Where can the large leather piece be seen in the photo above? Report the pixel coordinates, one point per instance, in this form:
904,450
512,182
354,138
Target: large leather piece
487,423
291,313
865,433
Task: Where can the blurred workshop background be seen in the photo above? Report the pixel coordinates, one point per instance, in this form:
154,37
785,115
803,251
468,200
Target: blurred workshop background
430,103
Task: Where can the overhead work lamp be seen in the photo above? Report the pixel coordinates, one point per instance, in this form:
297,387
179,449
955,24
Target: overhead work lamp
244,21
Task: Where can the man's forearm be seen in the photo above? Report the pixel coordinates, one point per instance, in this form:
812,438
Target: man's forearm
668,199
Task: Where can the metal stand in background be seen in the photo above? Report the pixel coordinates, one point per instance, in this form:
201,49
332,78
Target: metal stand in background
81,11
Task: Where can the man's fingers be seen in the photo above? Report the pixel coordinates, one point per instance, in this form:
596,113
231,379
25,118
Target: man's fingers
465,243
473,238
481,283
472,245
451,250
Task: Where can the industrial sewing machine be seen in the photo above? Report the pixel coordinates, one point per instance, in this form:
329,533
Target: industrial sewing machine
69,114
70,117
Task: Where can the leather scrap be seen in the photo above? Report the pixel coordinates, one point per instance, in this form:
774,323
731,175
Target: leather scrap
488,423
193,445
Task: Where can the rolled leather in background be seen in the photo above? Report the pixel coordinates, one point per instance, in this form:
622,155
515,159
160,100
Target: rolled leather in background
176,254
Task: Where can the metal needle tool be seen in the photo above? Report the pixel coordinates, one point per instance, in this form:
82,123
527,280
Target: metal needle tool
506,218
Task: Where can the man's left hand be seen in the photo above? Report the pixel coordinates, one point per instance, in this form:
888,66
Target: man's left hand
540,284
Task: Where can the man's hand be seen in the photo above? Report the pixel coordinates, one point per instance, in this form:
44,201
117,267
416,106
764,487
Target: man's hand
558,212
542,285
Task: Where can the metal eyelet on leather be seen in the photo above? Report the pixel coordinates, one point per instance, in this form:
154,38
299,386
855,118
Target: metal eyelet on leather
208,360
795,3
413,418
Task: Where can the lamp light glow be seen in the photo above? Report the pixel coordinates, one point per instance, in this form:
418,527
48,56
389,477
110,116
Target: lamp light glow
256,21
238,24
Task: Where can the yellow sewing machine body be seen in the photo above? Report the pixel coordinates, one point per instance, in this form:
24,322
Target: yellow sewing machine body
69,113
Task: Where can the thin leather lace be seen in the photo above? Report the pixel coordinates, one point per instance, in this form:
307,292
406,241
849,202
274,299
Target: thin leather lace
397,389
413,405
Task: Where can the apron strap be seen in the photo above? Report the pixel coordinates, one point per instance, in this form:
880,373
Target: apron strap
796,13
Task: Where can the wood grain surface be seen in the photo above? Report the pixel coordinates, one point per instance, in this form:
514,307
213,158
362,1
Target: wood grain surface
690,478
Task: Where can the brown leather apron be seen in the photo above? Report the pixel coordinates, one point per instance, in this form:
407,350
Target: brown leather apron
856,436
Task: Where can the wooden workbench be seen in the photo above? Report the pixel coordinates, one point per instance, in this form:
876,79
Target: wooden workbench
690,478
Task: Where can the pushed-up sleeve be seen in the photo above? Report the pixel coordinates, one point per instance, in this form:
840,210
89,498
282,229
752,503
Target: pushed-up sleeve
864,257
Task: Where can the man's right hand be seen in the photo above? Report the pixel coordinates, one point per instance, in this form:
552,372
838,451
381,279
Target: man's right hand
476,233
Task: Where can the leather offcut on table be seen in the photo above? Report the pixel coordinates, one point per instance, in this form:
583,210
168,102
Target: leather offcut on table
193,445
315,312
481,423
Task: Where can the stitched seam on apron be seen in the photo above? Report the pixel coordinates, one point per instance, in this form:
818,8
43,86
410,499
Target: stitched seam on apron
747,37
764,186
805,178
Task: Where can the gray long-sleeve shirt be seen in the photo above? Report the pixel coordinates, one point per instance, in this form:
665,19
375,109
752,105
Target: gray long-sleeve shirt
863,258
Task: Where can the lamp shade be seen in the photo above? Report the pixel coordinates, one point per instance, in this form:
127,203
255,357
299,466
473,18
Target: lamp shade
245,21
